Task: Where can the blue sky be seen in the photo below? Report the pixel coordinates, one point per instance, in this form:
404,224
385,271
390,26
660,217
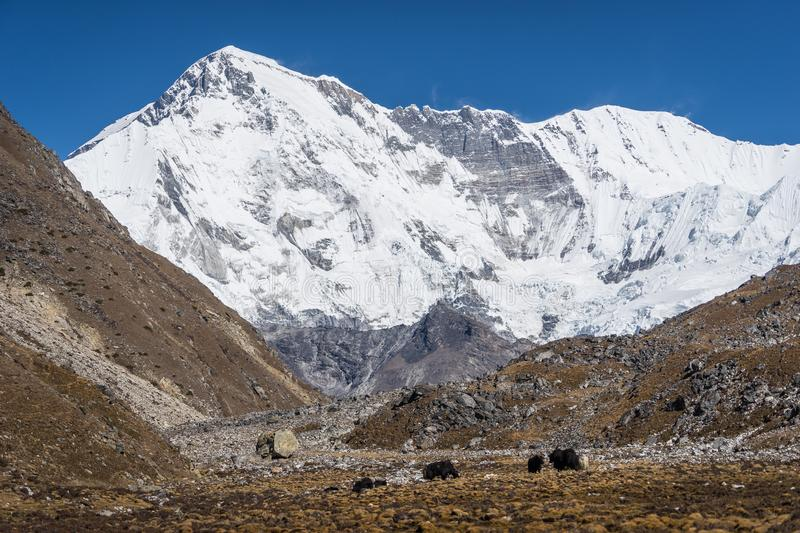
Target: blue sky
67,69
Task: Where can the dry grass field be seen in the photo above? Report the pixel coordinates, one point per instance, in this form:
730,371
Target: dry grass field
495,493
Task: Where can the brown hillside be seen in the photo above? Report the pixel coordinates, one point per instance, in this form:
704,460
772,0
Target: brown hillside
56,427
75,288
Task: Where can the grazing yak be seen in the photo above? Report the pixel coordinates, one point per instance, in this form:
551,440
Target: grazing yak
440,469
565,459
367,483
535,464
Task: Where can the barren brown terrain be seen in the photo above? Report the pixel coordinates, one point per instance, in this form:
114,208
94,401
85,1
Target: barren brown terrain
75,287
494,493
58,428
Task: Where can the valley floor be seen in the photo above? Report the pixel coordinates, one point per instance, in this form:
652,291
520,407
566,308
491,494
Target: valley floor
494,492
710,484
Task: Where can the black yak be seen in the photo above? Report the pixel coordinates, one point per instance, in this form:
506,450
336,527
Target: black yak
440,469
565,459
367,483
535,464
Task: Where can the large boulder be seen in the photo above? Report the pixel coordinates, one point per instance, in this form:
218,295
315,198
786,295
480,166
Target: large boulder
467,401
281,444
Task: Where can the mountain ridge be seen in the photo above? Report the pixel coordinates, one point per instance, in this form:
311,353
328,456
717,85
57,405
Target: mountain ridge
273,63
302,204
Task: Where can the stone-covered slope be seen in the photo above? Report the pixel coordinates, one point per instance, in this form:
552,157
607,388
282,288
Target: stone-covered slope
56,427
727,372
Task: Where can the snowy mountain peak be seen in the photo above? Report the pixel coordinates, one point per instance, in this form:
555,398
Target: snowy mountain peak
302,204
230,52
233,50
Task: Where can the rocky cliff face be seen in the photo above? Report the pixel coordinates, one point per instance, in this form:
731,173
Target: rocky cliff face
512,172
302,204
343,360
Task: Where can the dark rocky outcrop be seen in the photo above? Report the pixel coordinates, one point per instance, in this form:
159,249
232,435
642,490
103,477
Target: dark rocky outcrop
446,344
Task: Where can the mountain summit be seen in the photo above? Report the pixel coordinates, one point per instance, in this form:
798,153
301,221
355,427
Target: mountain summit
305,206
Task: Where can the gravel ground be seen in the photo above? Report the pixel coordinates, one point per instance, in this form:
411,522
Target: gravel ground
228,444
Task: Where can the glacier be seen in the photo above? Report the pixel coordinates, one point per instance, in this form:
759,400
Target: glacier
336,225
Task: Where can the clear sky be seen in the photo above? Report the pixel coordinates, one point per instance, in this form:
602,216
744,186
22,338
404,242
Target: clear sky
67,69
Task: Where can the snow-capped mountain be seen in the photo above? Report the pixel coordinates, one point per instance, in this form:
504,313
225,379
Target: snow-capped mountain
305,206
